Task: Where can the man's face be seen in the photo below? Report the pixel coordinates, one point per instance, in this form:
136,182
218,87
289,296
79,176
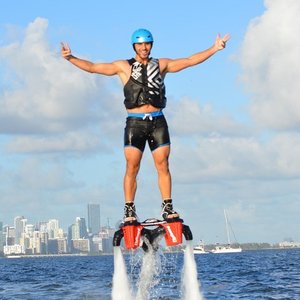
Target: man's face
143,49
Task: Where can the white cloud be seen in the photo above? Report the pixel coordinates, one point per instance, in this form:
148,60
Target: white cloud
46,94
187,117
33,175
237,158
70,142
271,65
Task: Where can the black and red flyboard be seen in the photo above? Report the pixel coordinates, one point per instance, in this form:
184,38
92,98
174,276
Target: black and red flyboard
138,234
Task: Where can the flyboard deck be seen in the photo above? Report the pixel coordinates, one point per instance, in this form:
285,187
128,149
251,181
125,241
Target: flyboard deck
138,234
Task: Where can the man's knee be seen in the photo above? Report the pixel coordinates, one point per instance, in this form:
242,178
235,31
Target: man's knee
162,165
132,168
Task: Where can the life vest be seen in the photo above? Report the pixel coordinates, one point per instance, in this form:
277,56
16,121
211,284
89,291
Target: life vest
145,85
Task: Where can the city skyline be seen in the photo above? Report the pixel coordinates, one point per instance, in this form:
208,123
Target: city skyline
20,219
47,237
78,235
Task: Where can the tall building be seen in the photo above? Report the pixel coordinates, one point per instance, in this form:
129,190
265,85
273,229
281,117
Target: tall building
53,229
93,218
9,232
77,234
81,227
78,230
19,224
57,246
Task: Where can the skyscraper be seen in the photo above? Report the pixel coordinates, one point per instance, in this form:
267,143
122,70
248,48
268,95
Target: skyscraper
80,230
76,231
94,218
19,224
53,228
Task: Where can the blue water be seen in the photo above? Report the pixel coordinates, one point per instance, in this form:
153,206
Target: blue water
269,274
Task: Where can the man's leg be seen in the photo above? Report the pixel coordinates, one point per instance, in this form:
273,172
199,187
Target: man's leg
161,160
133,158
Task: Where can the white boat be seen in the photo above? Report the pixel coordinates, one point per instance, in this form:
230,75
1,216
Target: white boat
13,256
227,248
199,249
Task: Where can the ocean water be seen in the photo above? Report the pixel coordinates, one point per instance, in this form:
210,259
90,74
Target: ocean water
268,274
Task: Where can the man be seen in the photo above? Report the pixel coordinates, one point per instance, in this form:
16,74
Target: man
144,90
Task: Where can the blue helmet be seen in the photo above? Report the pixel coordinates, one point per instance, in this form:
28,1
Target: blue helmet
141,36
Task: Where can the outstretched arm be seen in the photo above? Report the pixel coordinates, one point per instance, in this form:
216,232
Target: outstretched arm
175,65
108,69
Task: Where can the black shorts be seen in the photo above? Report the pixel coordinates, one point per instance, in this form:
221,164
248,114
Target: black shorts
153,130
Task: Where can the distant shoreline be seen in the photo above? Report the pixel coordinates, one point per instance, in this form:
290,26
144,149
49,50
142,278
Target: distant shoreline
110,254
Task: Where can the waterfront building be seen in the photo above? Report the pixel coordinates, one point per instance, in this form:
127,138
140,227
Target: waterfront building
106,235
95,244
13,250
42,226
9,235
93,218
80,229
53,229
77,231
19,224
57,246
80,246
289,244
36,243
29,229
62,245
107,245
44,242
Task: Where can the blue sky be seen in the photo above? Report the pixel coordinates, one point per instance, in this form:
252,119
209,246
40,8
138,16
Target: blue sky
234,120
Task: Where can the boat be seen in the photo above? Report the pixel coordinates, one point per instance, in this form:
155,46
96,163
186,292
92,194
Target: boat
13,256
226,248
199,249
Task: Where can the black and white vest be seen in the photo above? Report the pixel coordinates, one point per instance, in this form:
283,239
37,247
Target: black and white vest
145,85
